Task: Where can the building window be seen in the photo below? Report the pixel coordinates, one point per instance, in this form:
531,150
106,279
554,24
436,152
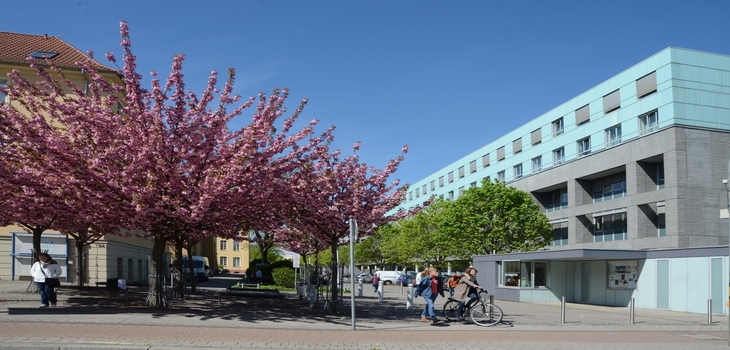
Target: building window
451,195
609,187
613,136
500,176
461,172
140,271
611,102
560,233
536,164
130,270
236,246
584,147
623,274
661,220
120,268
583,115
610,227
659,175
441,181
224,244
556,200
485,160
433,185
525,274
646,85
517,171
3,96
559,156
418,192
223,261
517,146
461,191
648,122
451,176
473,166
500,153
558,127
473,184
424,189
236,262
410,195
536,137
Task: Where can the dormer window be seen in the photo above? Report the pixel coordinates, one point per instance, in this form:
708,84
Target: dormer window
44,54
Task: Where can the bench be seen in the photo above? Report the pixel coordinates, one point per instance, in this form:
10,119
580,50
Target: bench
251,293
248,285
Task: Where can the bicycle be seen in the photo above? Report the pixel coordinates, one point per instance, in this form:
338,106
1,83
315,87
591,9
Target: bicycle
481,312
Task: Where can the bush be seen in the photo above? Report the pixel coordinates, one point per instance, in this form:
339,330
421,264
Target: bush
283,276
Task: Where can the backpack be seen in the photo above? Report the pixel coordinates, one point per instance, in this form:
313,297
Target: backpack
454,281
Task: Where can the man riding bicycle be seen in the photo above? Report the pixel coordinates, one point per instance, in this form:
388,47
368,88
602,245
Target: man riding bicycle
468,288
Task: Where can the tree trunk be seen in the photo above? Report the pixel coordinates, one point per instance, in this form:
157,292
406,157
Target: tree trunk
81,275
194,276
180,279
157,278
37,231
264,247
333,309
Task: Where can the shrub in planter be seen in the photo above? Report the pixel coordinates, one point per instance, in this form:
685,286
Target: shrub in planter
283,276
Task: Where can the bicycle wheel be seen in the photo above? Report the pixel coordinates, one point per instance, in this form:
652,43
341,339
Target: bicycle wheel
450,309
486,315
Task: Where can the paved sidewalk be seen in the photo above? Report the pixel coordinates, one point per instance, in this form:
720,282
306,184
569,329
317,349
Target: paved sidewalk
100,318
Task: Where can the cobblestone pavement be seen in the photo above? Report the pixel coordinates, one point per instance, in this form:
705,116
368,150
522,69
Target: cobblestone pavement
98,318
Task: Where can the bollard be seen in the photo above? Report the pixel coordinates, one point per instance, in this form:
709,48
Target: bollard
562,310
312,295
631,313
380,291
409,297
359,287
709,311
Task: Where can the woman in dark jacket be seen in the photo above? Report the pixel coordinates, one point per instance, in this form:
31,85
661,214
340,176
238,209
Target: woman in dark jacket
430,287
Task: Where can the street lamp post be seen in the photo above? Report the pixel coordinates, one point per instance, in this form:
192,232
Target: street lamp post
353,237
727,188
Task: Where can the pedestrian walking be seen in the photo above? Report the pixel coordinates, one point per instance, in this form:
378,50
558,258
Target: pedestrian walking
430,288
41,272
375,282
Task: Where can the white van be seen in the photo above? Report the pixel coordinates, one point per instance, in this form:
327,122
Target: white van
389,277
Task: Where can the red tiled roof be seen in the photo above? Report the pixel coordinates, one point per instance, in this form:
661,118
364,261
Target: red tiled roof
15,48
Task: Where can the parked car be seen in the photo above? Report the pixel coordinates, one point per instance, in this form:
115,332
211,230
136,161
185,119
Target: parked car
404,280
389,277
366,277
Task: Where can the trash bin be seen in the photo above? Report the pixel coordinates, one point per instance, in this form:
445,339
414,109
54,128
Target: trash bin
112,283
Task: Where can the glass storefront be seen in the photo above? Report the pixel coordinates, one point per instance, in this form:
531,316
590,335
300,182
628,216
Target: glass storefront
523,274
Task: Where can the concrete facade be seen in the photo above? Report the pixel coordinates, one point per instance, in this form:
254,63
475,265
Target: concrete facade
633,165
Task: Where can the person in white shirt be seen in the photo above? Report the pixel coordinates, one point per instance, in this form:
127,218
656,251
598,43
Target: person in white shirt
44,268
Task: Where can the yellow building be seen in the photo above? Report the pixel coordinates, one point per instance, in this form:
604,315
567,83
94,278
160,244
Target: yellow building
111,256
229,254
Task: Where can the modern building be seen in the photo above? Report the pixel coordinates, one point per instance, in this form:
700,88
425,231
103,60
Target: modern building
109,257
630,174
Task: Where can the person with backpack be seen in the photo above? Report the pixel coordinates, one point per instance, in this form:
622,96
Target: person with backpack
453,282
467,288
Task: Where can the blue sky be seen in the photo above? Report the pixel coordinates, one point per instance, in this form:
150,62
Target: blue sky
445,77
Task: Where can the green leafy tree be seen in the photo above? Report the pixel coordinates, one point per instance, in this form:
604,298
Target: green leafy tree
273,254
424,238
368,251
496,218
